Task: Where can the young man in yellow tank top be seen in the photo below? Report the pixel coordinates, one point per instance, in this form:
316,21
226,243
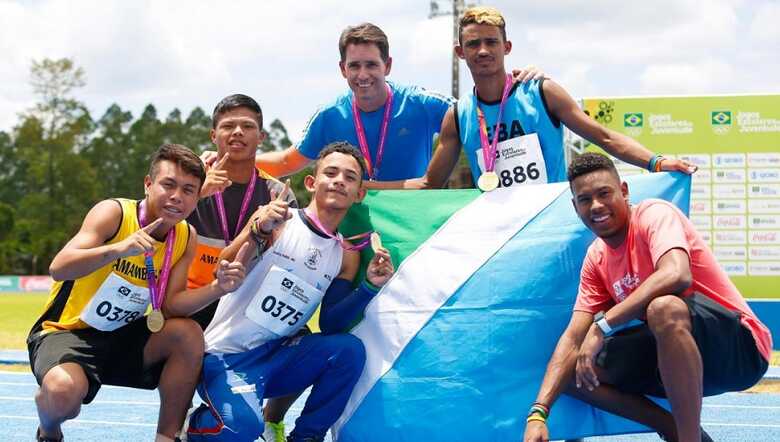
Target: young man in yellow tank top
89,333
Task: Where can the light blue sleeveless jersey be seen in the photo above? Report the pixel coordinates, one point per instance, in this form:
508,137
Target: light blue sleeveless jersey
525,113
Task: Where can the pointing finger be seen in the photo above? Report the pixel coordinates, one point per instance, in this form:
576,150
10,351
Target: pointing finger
221,163
153,225
243,254
285,191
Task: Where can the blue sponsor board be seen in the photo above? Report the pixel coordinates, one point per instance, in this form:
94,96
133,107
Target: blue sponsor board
9,284
768,312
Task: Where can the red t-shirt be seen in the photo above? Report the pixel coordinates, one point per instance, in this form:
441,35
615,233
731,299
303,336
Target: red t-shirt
610,275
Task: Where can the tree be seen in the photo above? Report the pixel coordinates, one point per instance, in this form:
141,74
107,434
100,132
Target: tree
59,185
106,150
58,162
277,138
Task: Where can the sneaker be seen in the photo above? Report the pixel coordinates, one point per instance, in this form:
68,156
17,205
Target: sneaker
305,439
704,436
274,432
182,436
40,438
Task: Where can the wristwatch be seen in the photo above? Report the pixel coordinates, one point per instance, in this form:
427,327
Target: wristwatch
601,321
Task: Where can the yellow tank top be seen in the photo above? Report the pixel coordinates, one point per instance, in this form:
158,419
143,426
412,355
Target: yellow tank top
67,299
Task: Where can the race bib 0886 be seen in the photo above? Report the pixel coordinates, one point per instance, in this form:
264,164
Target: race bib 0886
519,162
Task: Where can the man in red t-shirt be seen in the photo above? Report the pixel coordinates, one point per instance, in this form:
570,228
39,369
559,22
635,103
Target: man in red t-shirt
698,336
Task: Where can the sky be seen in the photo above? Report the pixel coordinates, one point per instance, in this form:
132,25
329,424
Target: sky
183,54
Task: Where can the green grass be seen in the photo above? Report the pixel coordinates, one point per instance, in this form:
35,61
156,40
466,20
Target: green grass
18,312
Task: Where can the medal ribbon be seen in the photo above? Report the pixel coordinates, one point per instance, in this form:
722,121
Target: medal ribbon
488,148
157,288
250,190
373,167
338,237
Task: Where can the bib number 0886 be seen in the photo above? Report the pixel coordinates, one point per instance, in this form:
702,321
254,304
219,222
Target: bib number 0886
518,175
280,310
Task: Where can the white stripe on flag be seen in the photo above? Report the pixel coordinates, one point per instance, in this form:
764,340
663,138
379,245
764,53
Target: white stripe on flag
423,284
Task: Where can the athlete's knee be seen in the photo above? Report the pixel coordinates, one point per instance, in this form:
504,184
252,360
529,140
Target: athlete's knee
61,393
185,335
667,313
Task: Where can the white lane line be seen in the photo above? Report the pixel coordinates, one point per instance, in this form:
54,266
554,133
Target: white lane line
726,424
30,399
748,407
81,421
25,384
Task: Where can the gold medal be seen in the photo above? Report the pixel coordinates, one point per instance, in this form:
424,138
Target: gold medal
155,321
376,242
487,181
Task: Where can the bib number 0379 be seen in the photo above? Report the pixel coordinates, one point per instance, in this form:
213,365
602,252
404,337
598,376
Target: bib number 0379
280,310
518,175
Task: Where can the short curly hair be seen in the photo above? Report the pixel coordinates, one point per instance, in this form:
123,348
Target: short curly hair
590,162
346,149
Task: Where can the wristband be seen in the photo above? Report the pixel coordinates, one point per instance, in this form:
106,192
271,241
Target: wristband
258,231
536,418
654,164
658,163
601,321
539,409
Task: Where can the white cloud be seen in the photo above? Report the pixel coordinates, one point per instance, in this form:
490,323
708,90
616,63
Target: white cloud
765,26
685,78
175,54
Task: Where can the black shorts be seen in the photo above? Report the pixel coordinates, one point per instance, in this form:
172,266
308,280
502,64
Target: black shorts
730,358
111,358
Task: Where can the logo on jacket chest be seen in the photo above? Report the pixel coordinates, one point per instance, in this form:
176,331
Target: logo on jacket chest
312,258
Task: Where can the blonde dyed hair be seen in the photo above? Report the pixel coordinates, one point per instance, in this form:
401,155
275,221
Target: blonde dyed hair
481,15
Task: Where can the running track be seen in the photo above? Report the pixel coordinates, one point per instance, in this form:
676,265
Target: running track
123,414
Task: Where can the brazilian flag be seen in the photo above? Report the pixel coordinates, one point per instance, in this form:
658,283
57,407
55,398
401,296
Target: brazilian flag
721,118
633,119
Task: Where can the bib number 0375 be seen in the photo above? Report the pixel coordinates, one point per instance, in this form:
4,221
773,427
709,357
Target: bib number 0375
280,310
518,175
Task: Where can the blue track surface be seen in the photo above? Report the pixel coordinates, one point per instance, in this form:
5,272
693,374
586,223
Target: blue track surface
123,414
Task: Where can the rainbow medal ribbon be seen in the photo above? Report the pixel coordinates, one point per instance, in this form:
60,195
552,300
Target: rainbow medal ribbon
488,180
155,320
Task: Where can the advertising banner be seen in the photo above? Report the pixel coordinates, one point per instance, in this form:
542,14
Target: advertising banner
35,283
735,197
9,283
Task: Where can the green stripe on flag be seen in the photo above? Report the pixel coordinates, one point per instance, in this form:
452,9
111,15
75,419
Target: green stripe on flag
403,218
